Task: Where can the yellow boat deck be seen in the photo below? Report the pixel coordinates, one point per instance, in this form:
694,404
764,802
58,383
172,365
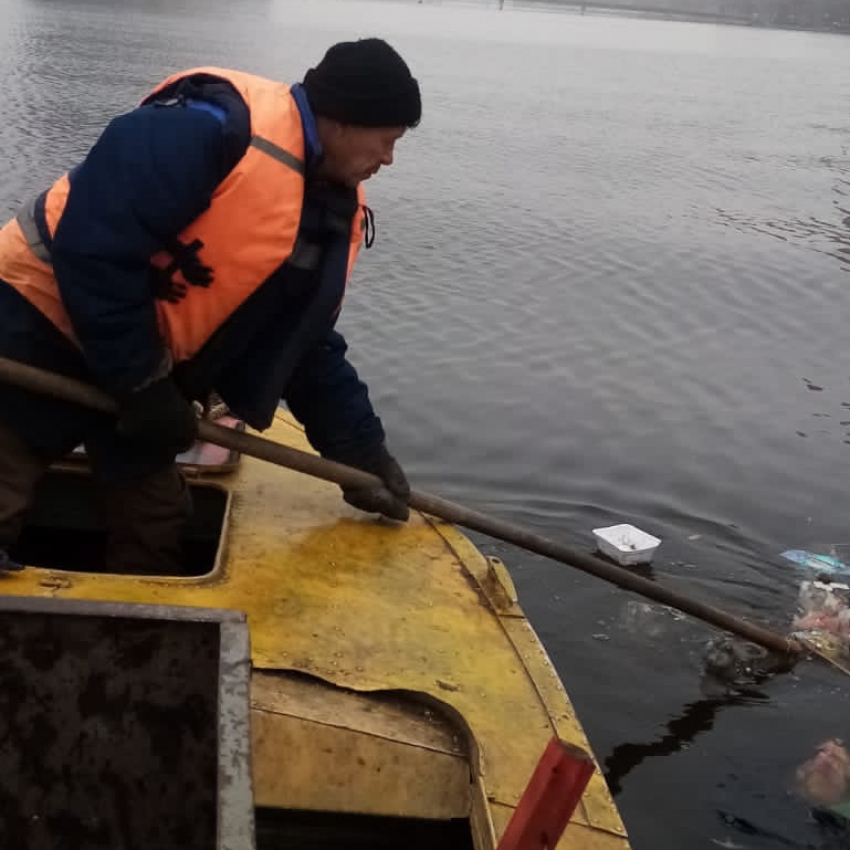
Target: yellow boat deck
412,612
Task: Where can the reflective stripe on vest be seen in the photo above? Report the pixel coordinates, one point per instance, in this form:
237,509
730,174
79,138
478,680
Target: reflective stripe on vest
279,154
26,220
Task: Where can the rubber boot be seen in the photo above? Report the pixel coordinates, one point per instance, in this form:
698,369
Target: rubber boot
20,471
146,520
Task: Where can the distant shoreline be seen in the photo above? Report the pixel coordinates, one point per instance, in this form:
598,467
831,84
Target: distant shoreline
730,13
731,16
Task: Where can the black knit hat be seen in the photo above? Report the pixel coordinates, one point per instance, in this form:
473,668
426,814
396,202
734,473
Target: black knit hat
365,83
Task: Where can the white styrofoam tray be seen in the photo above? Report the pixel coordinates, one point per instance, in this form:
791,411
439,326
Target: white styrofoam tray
626,544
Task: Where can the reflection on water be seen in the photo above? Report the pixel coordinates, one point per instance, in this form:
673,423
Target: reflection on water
831,238
696,718
608,287
828,235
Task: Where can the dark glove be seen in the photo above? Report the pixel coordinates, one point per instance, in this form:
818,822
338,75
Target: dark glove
160,416
389,500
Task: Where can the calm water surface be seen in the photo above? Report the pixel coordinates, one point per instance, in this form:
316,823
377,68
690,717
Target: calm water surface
610,285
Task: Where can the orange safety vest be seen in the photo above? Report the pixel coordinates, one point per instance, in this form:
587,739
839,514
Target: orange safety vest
248,231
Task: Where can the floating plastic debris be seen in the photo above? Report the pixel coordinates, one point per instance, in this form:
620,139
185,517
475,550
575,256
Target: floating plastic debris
824,564
824,611
626,544
824,780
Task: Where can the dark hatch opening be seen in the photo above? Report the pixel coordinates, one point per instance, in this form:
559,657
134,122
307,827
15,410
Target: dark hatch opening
278,829
64,530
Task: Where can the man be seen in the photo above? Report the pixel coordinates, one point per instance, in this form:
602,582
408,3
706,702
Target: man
202,246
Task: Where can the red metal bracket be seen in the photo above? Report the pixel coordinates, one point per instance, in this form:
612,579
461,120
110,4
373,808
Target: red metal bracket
549,800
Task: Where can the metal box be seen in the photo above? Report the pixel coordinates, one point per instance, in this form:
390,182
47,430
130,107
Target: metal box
123,726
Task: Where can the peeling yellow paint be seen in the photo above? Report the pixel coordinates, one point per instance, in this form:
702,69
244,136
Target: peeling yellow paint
374,606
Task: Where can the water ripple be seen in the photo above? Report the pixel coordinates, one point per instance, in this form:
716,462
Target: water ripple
608,286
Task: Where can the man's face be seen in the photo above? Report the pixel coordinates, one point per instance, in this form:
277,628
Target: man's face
353,154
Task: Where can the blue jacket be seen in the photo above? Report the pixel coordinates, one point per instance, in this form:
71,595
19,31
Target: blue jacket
151,173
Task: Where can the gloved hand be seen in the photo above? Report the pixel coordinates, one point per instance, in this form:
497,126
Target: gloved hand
389,500
160,416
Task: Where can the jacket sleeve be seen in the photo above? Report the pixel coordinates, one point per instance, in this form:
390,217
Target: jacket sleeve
151,173
326,395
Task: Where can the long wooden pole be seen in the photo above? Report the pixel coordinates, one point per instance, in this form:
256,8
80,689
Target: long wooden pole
58,386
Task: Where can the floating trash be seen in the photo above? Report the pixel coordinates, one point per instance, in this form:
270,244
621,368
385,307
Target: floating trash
626,544
823,564
824,780
823,618
739,663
